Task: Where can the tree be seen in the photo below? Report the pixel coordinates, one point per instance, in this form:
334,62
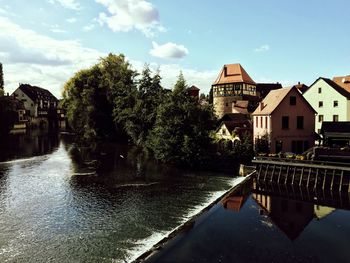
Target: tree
99,99
181,131
144,113
1,81
8,115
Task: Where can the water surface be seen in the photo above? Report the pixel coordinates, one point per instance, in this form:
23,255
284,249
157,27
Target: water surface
62,203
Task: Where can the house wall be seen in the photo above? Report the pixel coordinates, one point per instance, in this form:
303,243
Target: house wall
28,103
328,95
287,136
223,133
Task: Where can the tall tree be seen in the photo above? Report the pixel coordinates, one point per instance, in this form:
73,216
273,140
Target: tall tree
1,81
99,99
181,131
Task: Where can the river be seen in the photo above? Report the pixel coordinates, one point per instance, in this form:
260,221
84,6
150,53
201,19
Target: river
62,203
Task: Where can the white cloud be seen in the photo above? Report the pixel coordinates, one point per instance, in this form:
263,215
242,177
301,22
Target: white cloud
262,48
71,20
29,57
168,50
88,28
69,4
57,29
126,15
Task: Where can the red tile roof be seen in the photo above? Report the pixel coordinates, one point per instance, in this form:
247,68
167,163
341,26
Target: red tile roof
233,73
343,81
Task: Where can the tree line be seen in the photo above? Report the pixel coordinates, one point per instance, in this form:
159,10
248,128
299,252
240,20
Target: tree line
110,100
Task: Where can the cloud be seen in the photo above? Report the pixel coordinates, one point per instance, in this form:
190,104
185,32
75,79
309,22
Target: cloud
168,50
262,48
29,57
71,20
88,28
126,15
57,29
69,4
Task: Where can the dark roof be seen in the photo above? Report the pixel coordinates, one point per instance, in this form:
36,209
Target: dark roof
233,73
232,125
334,86
35,93
238,117
337,126
302,87
193,88
265,88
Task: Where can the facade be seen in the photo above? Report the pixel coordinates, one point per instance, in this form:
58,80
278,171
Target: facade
40,104
232,84
331,101
37,101
286,120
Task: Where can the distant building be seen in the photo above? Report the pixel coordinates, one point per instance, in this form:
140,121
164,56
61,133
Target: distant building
331,101
343,81
233,126
262,89
232,84
286,119
39,103
193,91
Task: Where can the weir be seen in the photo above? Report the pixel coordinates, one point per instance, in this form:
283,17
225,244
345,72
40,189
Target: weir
315,175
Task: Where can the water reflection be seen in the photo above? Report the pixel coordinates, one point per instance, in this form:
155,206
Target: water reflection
33,143
266,223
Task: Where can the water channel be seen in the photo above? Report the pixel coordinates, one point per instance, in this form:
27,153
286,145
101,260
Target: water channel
62,203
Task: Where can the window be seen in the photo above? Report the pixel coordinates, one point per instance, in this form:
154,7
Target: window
265,122
285,122
335,103
335,118
226,104
292,100
320,104
319,90
320,118
256,122
223,131
300,122
261,122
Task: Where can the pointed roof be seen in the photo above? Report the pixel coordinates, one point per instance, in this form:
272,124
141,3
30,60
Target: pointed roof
233,73
35,93
193,87
343,81
271,101
334,85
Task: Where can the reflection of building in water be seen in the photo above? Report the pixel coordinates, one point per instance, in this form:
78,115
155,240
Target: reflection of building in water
290,216
236,200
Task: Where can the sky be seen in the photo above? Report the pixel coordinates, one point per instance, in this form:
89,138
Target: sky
45,42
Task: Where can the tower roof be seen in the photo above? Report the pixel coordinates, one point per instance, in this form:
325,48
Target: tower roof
233,73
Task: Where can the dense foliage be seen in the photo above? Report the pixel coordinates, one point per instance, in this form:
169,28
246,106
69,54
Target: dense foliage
8,115
1,81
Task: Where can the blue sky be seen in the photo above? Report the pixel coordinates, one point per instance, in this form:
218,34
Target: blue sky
44,42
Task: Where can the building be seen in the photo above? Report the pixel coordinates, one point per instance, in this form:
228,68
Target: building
39,103
286,120
336,134
233,126
233,84
262,89
343,81
193,91
301,87
331,101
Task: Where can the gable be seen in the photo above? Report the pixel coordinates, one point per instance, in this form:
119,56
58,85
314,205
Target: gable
331,84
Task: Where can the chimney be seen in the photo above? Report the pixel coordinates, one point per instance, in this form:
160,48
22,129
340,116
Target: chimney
298,82
225,71
261,105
